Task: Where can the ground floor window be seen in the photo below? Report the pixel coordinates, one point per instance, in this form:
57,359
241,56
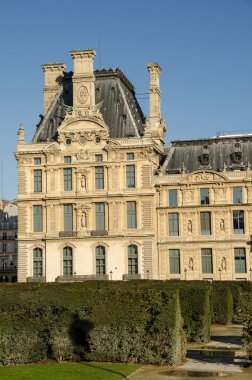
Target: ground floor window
132,259
100,260
37,262
174,260
67,261
240,260
207,260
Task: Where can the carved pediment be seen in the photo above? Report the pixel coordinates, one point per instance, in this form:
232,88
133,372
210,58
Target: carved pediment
204,176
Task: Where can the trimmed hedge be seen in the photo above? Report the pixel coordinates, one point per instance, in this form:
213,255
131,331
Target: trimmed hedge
90,322
221,305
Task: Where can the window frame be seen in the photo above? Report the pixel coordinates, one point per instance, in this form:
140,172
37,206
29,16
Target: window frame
99,177
237,191
100,260
68,217
37,218
206,260
67,261
174,261
131,214
239,221
173,197
205,231
131,176
204,196
240,260
37,181
132,251
173,224
38,268
100,214
68,179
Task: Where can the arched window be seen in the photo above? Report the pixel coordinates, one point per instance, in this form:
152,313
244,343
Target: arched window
37,262
67,261
100,260
132,259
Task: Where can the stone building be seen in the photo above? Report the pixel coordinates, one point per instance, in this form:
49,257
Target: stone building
100,197
8,241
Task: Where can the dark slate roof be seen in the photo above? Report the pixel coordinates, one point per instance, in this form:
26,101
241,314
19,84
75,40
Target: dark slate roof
119,106
217,153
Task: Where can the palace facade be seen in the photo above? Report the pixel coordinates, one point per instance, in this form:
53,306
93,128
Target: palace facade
101,197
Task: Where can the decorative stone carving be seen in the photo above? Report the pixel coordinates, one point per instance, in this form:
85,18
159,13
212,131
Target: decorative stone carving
21,134
222,225
24,160
236,158
83,155
83,221
83,182
223,263
52,180
82,94
204,159
189,226
204,176
190,264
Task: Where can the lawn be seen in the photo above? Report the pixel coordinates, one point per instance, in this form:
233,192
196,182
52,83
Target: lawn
67,371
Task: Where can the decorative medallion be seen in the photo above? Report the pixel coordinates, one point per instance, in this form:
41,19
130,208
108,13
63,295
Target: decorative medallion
82,94
204,159
236,158
82,140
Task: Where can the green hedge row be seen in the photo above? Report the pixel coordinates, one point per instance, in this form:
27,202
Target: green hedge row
136,321
83,322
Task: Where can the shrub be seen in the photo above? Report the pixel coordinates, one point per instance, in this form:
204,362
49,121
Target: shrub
221,305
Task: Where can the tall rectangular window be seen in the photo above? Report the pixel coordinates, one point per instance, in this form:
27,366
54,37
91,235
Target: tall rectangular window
68,186
173,198
100,216
173,222
130,176
240,260
238,222
204,196
37,177
205,223
207,260
68,217
37,218
99,177
174,260
131,215
237,194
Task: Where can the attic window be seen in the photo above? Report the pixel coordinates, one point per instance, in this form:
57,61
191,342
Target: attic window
68,141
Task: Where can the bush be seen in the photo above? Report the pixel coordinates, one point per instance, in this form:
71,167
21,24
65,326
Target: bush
221,305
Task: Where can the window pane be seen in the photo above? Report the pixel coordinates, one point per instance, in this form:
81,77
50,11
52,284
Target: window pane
37,161
237,195
173,198
37,180
132,259
99,177
37,262
100,216
204,196
100,260
206,260
130,156
240,260
67,159
68,217
130,176
174,260
238,222
68,179
205,223
131,215
98,158
173,221
37,218
67,261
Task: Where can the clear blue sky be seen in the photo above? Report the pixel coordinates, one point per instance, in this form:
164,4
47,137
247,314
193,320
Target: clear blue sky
203,46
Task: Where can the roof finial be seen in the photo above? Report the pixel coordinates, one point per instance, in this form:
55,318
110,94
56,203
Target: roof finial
21,134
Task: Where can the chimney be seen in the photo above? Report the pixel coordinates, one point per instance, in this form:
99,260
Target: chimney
54,73
83,78
155,107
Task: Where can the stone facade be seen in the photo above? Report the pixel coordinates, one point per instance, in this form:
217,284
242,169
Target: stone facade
8,241
100,197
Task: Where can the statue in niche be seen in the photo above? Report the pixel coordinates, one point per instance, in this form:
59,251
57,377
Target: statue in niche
190,264
222,225
83,220
189,226
83,182
223,263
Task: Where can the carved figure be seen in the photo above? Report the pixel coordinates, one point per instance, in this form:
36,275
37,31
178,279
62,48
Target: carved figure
189,226
190,264
83,182
83,220
222,225
223,263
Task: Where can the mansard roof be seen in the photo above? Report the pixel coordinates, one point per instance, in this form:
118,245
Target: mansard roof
220,153
115,96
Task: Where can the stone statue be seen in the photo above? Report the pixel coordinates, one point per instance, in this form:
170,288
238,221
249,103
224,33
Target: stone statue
189,226
222,225
83,182
190,265
83,220
223,263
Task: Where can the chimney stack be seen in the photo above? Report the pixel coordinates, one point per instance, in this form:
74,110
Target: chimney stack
155,107
54,73
83,78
